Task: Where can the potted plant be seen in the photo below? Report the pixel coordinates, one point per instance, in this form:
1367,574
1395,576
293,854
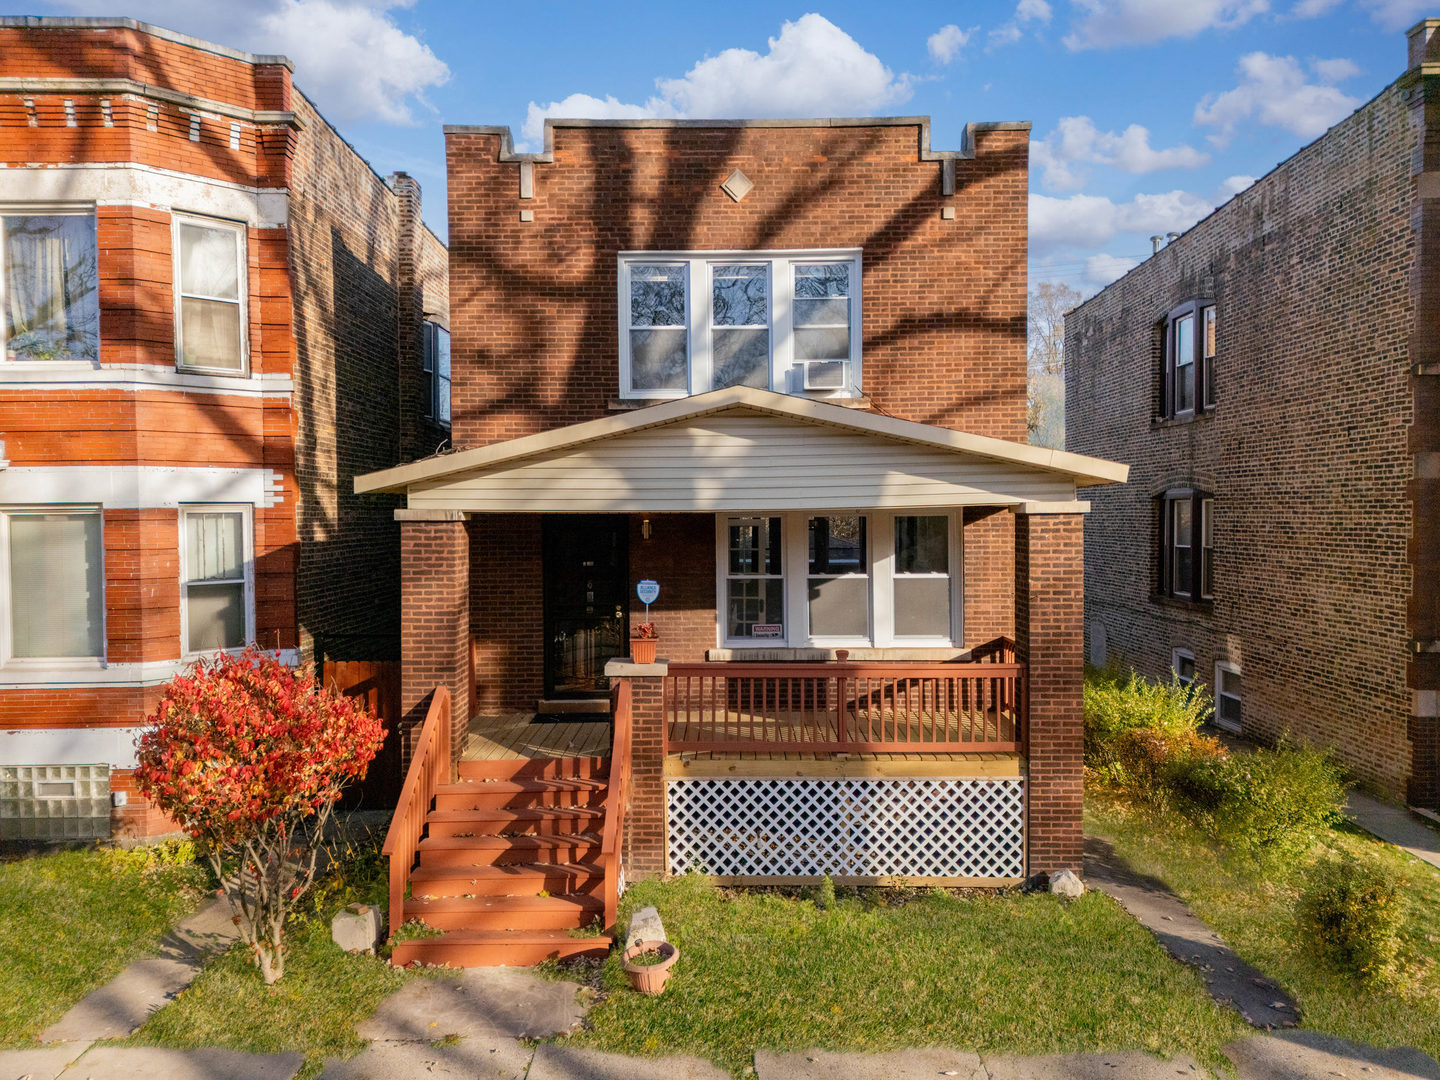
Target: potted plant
648,964
643,643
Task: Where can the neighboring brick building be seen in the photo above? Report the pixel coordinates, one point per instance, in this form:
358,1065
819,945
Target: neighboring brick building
1273,378
779,368
212,313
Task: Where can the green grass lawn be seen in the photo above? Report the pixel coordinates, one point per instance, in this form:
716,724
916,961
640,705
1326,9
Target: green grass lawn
71,920
314,1008
1254,912
997,973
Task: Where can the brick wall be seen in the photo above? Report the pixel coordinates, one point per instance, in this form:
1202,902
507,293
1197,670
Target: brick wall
536,333
1312,271
680,555
646,816
507,612
989,582
1049,608
435,620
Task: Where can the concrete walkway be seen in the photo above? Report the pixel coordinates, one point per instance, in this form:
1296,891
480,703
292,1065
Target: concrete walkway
1396,825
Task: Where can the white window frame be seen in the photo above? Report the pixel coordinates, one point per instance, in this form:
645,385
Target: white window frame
41,209
7,656
1233,669
795,567
242,270
1175,657
786,375
247,516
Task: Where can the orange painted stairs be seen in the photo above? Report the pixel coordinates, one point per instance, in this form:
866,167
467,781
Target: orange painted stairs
510,864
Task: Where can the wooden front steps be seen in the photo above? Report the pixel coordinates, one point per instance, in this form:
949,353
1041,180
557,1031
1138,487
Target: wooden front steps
509,865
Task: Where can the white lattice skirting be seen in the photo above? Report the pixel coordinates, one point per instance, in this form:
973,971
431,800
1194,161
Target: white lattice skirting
848,827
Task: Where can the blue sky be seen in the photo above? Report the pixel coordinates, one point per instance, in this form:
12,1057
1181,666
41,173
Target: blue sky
1146,113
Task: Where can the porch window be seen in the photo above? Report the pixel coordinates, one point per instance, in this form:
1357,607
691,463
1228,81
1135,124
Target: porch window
49,286
54,584
839,578
854,579
755,583
210,296
783,321
922,576
216,608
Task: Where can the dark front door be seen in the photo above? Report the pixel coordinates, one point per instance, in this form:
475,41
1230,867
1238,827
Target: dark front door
586,600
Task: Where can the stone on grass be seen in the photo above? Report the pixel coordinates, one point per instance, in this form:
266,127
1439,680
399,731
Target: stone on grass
645,925
356,928
1065,883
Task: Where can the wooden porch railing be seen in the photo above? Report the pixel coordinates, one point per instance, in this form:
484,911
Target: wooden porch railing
617,795
871,707
429,768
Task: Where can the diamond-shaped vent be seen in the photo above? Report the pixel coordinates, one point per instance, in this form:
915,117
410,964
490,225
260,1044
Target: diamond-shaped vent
737,185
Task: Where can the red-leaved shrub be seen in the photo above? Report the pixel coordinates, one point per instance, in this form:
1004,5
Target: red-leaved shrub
249,756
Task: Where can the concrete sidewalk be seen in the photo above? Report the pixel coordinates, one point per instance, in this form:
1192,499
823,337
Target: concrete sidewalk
1397,825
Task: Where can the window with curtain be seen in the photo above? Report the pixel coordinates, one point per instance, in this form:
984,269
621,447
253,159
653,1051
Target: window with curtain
56,584
50,287
209,293
216,565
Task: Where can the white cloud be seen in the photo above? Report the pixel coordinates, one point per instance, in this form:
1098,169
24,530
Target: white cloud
945,44
1076,141
813,68
1026,12
1108,23
1092,221
350,57
1310,9
1233,185
584,106
1274,91
1398,14
1333,71
1102,269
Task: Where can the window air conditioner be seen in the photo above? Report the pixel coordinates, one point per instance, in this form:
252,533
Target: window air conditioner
824,374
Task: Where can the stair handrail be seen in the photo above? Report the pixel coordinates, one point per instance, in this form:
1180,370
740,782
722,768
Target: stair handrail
616,797
429,768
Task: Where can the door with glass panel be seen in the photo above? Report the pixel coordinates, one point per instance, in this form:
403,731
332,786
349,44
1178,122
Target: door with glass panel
587,600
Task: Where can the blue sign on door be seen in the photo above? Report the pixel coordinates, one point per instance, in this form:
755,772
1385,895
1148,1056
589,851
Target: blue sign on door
647,591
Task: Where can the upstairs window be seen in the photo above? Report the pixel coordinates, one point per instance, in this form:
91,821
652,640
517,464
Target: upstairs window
1186,545
1189,376
49,287
210,286
787,322
436,365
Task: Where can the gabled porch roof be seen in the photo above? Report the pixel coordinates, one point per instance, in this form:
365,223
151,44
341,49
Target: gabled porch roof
742,448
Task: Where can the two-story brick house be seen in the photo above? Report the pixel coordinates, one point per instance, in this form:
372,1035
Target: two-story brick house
212,316
1273,378
778,368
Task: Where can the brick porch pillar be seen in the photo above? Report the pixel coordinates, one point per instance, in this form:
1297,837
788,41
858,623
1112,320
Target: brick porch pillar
1049,637
434,620
645,816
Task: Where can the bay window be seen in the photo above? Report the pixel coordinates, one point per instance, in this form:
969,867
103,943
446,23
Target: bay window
54,597
49,286
210,287
846,580
691,323
216,602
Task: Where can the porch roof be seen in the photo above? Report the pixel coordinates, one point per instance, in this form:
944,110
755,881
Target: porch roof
742,448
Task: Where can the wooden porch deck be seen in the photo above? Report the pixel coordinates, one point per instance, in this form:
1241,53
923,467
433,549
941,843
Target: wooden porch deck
515,737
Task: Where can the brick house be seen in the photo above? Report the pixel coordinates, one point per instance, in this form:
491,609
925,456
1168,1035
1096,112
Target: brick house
778,368
213,314
1273,377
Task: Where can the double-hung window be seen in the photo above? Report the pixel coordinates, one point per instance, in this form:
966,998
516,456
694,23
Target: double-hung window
435,364
1228,693
54,595
1186,559
1182,662
49,285
1188,378
216,603
783,321
839,580
210,287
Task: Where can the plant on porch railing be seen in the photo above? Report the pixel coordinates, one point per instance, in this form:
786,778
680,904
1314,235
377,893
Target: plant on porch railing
429,768
249,756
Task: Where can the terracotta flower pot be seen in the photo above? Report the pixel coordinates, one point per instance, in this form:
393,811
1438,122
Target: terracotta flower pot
642,650
650,978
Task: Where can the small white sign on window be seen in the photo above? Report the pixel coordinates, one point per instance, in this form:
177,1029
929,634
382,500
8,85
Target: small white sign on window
766,630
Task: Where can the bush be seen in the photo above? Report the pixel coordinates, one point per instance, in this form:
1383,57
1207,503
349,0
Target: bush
1135,727
249,757
1270,802
1350,915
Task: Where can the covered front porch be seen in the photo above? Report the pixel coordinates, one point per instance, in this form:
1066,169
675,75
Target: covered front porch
869,633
